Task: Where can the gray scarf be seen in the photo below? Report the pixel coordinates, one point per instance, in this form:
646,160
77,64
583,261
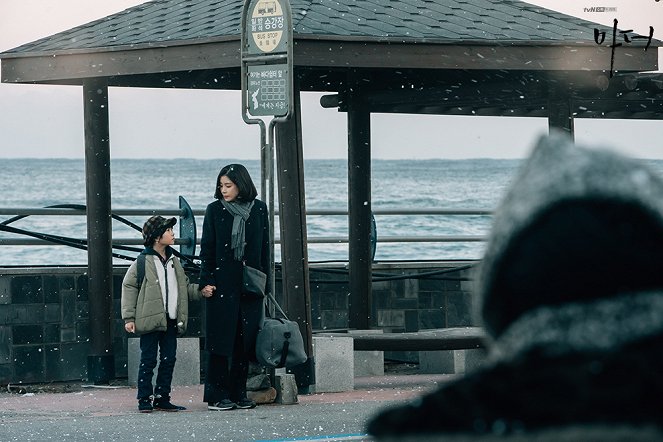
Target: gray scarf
240,212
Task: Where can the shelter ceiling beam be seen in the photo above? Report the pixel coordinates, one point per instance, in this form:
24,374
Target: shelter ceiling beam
581,107
227,79
619,108
74,67
465,56
511,93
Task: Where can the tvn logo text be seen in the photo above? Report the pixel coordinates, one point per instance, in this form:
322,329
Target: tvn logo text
600,9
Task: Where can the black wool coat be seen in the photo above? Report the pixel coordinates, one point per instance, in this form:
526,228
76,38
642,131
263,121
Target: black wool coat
228,309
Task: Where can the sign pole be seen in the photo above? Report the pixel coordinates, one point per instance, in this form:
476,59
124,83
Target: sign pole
267,87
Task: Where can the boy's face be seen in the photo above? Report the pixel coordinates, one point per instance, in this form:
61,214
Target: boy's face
168,238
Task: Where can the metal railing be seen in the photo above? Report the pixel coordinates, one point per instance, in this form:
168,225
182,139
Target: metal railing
24,212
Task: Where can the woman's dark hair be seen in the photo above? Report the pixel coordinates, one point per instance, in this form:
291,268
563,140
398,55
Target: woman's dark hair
240,176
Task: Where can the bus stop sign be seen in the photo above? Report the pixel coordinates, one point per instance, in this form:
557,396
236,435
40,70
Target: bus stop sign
266,25
266,58
267,88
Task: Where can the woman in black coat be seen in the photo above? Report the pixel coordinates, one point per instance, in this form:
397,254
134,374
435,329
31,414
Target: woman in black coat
235,231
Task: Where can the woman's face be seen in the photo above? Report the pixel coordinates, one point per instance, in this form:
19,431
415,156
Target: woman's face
229,190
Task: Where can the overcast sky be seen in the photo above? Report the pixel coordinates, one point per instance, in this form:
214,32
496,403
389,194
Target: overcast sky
43,121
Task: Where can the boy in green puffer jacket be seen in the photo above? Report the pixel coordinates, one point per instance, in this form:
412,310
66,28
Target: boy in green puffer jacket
155,294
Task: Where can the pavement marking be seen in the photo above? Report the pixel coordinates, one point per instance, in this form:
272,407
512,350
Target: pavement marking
330,438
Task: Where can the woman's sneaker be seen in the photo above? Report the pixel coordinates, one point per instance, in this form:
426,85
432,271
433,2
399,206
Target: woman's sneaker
145,405
246,403
163,404
224,404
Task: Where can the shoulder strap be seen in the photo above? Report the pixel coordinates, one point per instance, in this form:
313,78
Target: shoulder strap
140,270
271,298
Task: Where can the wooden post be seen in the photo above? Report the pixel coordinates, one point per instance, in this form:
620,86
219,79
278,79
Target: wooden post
560,112
359,208
294,253
100,363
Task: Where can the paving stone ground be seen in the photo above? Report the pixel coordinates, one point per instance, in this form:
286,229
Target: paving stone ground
75,412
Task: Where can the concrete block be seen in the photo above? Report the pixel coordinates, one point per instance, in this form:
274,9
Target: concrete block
187,362
451,361
439,362
368,363
466,361
286,388
334,364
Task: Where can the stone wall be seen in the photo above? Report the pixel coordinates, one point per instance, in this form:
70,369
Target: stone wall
45,329
407,297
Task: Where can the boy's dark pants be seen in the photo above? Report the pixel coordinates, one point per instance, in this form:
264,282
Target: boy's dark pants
166,344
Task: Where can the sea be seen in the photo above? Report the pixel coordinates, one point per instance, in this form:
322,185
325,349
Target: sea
158,184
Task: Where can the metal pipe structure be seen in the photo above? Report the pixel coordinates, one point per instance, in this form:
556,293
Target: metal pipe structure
277,240
200,212
313,240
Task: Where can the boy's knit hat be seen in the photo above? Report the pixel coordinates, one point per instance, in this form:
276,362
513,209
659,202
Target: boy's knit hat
154,227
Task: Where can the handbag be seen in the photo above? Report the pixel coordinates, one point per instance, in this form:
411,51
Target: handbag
279,343
253,281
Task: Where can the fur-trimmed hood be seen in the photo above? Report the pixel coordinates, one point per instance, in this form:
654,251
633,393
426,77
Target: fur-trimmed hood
571,292
556,172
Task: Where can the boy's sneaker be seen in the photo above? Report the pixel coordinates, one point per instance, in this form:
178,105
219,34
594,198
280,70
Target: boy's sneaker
225,404
145,405
163,404
246,403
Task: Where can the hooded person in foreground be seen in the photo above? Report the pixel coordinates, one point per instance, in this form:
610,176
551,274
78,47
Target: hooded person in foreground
570,292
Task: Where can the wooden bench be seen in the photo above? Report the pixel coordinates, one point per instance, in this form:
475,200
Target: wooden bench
453,338
441,350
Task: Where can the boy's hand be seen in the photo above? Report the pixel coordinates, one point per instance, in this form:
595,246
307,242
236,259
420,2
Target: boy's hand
130,327
208,291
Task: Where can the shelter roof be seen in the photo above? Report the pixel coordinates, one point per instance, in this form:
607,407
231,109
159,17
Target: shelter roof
170,22
466,57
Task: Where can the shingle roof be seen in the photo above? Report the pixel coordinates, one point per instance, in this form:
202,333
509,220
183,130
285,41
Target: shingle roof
169,22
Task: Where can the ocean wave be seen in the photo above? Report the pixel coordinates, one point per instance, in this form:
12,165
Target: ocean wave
150,184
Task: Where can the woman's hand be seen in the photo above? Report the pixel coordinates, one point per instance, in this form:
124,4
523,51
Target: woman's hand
130,327
208,291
